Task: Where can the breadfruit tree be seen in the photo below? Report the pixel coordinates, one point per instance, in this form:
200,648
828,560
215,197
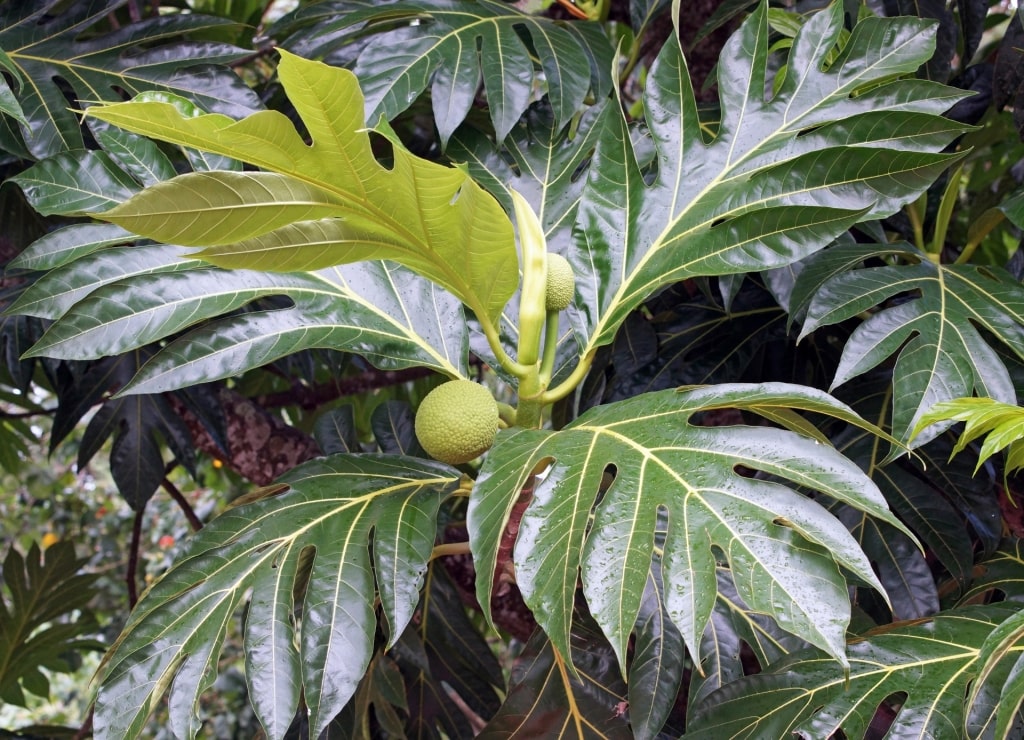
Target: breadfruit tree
524,287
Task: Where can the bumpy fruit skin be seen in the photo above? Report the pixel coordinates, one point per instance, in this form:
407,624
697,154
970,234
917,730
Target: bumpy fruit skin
457,421
561,283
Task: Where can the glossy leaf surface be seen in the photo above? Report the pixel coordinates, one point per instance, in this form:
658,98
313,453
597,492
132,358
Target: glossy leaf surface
132,298
467,43
54,43
929,316
783,176
930,663
784,549
337,508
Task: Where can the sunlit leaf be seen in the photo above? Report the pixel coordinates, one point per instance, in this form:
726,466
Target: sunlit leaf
322,204
1001,423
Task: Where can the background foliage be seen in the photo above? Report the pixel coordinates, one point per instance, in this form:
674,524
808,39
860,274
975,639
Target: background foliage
762,202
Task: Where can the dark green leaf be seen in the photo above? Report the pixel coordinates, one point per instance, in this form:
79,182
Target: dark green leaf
43,616
386,312
785,549
931,663
335,431
392,425
932,324
456,45
68,244
840,142
1002,573
446,663
54,43
76,182
338,506
656,671
549,697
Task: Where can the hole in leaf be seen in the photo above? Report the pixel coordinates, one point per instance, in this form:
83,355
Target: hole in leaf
607,480
885,715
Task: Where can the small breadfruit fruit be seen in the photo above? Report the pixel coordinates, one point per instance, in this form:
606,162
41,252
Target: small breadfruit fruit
561,283
456,422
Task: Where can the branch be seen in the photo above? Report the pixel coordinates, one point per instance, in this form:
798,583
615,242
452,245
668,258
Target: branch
312,397
133,559
263,447
183,504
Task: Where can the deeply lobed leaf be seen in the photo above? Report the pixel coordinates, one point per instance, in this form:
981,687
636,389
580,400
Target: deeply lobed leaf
930,316
56,44
322,204
784,549
454,48
930,664
841,141
43,616
338,508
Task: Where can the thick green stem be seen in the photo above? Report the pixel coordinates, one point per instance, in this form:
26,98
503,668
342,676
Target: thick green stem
568,385
547,363
506,414
494,341
528,411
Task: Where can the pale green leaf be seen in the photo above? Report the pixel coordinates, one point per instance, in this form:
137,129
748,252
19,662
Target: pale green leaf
1002,423
461,239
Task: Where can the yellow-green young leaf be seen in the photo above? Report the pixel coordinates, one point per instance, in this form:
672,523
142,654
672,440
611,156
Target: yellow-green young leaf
327,203
1002,422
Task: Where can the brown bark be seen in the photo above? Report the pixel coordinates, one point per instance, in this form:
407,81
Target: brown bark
263,447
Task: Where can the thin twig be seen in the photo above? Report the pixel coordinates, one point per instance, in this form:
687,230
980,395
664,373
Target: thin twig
183,504
311,397
133,559
86,729
26,414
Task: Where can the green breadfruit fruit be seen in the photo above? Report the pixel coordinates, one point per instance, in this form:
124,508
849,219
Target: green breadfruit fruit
457,421
561,283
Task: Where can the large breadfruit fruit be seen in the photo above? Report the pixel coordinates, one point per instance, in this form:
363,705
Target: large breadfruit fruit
457,421
561,283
